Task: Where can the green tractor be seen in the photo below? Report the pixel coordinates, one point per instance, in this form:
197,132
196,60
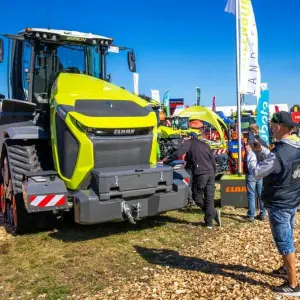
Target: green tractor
71,141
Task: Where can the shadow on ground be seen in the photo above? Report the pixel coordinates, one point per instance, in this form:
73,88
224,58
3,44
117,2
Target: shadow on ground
72,232
173,259
235,217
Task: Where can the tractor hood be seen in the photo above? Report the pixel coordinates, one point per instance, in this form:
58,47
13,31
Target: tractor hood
86,98
70,87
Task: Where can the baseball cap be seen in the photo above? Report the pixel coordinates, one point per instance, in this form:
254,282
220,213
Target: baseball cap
283,117
193,135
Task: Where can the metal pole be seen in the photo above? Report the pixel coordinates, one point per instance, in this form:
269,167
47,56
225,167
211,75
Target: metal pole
237,32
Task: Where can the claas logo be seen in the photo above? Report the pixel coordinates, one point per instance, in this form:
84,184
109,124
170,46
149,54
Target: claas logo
236,189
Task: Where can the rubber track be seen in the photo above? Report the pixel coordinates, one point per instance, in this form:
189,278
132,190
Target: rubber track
22,159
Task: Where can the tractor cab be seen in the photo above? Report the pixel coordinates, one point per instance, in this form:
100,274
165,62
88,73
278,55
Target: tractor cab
179,123
38,56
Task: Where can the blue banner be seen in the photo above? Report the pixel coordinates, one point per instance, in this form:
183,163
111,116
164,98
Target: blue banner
166,102
262,117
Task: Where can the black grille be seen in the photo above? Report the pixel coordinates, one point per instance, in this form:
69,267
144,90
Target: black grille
111,108
122,151
67,147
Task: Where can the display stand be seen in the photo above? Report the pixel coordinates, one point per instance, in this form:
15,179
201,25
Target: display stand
234,191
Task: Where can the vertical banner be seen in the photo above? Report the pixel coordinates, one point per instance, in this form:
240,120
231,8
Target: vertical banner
136,83
262,117
213,108
198,93
166,102
250,77
249,70
155,95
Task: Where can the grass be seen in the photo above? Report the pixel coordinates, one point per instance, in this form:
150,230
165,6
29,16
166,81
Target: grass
78,259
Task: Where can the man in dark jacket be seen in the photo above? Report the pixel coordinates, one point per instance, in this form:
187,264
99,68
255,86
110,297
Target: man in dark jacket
255,185
281,193
200,161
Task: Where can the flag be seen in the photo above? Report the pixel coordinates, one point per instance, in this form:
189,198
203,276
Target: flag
276,108
250,76
155,95
198,92
262,117
214,104
136,83
230,7
166,102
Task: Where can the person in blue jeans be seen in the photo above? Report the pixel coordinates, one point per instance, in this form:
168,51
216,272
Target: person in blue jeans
254,186
281,193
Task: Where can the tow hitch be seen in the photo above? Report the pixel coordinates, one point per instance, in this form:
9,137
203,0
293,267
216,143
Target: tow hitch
133,213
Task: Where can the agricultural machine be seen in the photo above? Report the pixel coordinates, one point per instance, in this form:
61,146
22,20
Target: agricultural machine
71,141
247,118
171,129
213,132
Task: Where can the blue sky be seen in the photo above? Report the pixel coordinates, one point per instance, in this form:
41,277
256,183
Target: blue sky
178,44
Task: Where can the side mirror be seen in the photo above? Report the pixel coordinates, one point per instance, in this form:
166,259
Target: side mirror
1,50
2,97
131,61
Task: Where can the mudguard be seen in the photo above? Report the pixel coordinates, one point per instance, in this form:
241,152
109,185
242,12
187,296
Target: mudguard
25,133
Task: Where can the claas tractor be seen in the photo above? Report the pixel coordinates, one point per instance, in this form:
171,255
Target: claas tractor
72,142
172,132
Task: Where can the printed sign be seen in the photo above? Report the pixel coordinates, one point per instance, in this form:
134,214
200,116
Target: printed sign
296,117
262,118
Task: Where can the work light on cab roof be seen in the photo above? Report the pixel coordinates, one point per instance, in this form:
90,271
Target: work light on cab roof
66,36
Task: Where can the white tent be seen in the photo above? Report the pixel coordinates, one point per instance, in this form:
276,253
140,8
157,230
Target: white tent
227,110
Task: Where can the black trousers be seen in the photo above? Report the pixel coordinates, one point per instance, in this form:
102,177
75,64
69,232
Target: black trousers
203,189
190,193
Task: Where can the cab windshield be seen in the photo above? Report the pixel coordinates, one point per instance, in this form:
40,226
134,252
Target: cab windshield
184,123
53,59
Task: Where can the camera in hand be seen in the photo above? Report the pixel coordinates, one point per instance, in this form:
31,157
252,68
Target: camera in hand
251,138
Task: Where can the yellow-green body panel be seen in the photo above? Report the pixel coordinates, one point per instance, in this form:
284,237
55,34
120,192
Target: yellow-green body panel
70,87
166,131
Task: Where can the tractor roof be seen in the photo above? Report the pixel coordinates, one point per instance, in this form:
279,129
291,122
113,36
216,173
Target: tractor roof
63,36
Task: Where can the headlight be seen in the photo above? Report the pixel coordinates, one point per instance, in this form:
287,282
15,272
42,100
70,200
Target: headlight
61,112
84,128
